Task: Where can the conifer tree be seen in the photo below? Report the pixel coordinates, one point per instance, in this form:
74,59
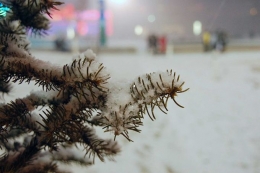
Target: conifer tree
74,98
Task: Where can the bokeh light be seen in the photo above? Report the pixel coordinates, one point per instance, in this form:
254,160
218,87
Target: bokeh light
151,18
138,30
253,11
197,28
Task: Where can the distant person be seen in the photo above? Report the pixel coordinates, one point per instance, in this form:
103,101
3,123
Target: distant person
206,41
60,44
221,41
213,40
152,43
162,44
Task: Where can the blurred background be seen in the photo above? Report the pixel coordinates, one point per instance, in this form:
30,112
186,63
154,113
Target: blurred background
125,25
215,47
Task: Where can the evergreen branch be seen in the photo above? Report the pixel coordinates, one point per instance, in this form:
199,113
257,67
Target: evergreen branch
60,121
68,154
12,27
16,115
42,6
46,5
95,146
5,88
13,45
10,133
15,162
41,167
52,77
147,92
31,13
74,96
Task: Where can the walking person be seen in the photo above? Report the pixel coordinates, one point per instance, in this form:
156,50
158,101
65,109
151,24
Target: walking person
162,44
206,37
152,43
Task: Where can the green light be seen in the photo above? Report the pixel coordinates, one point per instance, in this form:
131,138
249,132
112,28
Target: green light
3,10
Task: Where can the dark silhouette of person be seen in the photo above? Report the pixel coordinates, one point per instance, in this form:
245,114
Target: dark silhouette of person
152,43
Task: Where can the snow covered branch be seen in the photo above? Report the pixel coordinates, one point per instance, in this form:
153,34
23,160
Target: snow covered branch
127,105
74,99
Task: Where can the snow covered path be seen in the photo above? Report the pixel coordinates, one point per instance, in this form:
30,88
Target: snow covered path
218,131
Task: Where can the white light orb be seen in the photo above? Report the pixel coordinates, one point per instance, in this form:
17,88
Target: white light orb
197,28
139,30
151,18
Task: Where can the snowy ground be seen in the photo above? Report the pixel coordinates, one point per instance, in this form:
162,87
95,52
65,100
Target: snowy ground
218,131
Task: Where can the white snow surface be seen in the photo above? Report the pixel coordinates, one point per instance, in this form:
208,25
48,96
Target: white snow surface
218,131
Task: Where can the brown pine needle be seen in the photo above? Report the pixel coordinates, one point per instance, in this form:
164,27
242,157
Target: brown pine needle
177,103
158,105
159,86
183,90
99,71
148,111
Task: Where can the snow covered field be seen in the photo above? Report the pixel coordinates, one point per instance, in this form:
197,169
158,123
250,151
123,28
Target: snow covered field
218,131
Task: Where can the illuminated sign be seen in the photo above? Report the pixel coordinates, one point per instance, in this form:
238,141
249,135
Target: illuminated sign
84,22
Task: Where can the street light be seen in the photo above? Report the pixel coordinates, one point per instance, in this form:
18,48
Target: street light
102,20
118,2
